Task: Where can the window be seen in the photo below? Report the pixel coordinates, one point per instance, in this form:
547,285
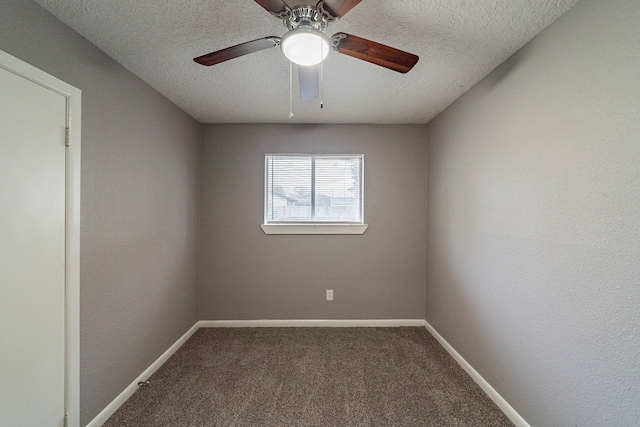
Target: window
313,192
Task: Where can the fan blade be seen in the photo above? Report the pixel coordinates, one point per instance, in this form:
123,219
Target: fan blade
309,83
275,7
376,53
339,8
238,50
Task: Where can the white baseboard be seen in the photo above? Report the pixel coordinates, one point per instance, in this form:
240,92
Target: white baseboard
112,407
310,323
484,385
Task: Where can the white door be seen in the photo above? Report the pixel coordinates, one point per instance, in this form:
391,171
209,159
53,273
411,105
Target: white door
32,253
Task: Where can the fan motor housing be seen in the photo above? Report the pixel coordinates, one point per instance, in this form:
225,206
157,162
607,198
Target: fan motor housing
305,17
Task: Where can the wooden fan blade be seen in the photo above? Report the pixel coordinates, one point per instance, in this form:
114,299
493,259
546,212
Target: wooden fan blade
238,50
339,8
309,82
274,6
376,53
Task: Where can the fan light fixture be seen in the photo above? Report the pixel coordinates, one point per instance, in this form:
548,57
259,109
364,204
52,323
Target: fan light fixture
305,46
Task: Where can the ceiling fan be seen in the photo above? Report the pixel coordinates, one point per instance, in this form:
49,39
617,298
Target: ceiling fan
306,44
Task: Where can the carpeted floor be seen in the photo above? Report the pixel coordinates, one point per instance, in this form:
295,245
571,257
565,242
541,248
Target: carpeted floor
310,377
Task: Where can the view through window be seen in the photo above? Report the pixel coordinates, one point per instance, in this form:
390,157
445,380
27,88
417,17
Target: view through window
313,188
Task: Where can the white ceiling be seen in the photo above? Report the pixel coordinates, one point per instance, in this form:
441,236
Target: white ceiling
458,41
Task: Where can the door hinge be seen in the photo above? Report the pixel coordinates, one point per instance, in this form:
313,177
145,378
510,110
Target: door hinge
66,420
67,137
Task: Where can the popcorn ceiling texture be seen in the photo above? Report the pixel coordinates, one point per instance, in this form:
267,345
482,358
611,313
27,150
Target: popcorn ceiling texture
458,42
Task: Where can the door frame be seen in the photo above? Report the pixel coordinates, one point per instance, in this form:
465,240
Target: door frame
72,227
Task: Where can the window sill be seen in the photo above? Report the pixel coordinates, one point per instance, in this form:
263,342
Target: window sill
314,228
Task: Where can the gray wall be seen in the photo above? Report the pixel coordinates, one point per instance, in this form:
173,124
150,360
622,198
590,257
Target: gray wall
139,209
534,222
246,274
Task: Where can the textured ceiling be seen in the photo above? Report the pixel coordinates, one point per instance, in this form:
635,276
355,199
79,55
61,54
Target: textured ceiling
458,41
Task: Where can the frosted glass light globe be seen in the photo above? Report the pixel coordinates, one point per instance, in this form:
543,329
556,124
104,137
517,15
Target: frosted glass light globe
305,46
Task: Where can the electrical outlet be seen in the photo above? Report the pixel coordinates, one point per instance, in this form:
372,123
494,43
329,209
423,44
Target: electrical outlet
329,295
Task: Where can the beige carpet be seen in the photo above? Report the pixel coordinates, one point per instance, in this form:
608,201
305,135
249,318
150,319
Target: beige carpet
310,377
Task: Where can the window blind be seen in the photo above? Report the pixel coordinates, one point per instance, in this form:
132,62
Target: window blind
313,188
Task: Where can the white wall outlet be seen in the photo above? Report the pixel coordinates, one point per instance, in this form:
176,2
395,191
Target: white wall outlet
329,295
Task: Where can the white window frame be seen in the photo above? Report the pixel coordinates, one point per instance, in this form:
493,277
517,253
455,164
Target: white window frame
310,227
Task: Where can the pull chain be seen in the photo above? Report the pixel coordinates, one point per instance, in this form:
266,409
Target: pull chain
322,77
290,89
